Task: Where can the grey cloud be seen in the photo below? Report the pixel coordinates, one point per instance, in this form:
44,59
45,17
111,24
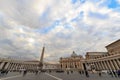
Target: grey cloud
21,11
19,23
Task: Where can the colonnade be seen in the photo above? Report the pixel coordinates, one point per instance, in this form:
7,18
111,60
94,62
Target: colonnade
111,63
15,65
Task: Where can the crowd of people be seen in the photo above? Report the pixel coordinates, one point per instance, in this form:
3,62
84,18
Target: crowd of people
22,71
3,72
114,73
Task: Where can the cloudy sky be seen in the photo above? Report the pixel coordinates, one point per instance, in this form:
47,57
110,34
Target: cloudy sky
61,25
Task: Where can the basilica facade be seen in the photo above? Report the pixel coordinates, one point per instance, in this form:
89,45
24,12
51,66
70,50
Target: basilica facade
73,62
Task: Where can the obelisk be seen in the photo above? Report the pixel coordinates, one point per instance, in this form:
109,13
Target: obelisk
41,58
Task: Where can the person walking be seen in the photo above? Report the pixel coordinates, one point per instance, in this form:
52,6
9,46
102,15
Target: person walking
67,72
36,72
71,71
100,73
24,73
86,73
118,73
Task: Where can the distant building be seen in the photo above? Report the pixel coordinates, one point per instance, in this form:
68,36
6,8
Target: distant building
73,62
98,61
94,55
51,66
105,61
114,48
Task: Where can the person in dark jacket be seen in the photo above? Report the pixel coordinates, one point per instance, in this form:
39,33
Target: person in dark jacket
118,73
24,73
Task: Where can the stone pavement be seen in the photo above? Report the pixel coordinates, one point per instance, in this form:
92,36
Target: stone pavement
77,76
56,76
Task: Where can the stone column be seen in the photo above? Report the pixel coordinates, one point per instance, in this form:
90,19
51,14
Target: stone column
107,65
118,65
118,62
115,65
102,67
61,65
73,64
97,67
1,65
6,66
82,66
13,66
28,66
16,68
106,68
33,66
24,66
113,68
79,64
9,66
67,64
110,67
76,66
21,66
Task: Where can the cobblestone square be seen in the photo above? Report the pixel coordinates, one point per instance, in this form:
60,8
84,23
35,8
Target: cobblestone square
57,76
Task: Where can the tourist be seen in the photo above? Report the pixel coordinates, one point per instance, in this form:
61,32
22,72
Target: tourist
3,72
36,72
71,71
79,72
86,73
67,72
118,73
25,72
100,73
